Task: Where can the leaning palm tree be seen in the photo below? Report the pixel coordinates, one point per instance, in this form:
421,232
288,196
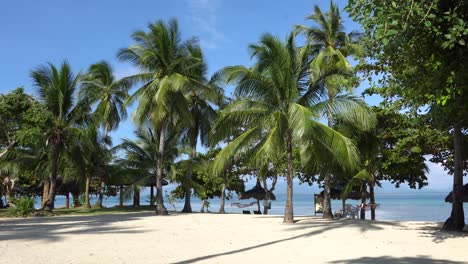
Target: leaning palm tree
56,87
331,70
276,112
107,94
164,60
202,95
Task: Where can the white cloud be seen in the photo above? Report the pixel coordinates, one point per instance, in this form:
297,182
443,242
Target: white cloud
203,14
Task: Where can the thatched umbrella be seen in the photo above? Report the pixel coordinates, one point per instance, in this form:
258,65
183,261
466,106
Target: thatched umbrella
257,192
449,197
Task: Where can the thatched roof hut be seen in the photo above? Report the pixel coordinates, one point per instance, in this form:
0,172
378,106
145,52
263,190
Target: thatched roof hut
449,197
257,192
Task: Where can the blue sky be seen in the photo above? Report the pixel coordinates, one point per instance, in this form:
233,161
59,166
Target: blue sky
87,31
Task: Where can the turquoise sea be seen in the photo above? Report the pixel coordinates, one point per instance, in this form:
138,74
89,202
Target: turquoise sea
418,206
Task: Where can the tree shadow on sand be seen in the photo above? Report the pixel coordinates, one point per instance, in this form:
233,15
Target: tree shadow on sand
438,235
322,225
395,260
55,228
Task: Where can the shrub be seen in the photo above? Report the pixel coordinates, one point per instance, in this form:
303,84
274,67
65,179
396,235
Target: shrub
24,207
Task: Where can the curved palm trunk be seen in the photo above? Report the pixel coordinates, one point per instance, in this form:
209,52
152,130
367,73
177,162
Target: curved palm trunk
188,187
288,210
87,203
160,208
49,203
456,221
327,210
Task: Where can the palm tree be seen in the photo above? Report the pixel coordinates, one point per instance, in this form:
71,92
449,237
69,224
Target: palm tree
164,59
331,70
202,95
102,89
56,87
328,37
276,112
141,155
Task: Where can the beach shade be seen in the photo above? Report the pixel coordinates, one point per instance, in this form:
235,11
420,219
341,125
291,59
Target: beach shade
257,193
449,197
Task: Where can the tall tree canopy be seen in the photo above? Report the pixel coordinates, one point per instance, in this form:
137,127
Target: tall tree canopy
419,50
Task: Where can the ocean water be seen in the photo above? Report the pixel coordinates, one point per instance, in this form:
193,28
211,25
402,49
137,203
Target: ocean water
418,206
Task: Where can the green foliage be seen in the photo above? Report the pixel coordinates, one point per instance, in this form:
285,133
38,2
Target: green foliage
22,119
24,207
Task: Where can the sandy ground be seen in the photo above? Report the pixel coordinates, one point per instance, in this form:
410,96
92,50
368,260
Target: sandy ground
213,238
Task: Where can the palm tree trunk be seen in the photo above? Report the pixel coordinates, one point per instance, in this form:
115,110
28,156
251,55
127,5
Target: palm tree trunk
372,200
87,203
288,210
67,200
76,202
151,195
45,192
343,204
1,199
327,210
188,185
49,203
160,208
456,221
9,194
363,201
203,204
267,196
101,193
223,197
136,198
121,199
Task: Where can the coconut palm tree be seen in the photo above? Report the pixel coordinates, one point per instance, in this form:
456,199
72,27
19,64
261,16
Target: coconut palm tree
102,90
331,70
164,60
141,156
328,37
276,112
56,88
107,94
202,96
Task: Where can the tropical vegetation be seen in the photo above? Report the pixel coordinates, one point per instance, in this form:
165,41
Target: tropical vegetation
294,113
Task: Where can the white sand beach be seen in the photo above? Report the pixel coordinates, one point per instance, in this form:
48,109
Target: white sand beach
214,238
